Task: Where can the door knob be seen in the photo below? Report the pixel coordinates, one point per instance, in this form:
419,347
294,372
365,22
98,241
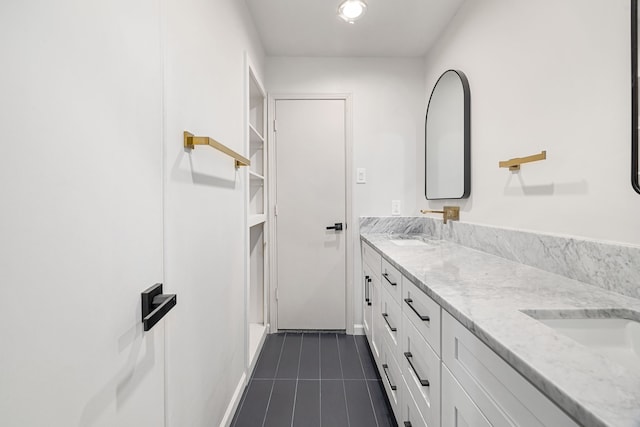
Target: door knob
337,226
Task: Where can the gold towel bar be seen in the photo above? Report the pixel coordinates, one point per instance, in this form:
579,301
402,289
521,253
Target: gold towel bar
514,164
191,141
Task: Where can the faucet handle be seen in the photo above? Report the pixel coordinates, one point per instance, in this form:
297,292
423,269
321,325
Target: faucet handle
449,213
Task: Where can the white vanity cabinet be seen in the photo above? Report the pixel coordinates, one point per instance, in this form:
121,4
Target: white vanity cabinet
503,396
434,370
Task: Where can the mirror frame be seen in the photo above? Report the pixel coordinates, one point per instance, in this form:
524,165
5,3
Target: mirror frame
635,179
467,137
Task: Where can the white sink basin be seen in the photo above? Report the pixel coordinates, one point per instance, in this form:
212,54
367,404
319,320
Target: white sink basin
408,242
616,339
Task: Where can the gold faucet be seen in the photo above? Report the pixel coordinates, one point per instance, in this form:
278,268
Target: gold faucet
449,213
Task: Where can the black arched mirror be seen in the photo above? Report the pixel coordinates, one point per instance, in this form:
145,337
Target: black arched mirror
447,138
635,153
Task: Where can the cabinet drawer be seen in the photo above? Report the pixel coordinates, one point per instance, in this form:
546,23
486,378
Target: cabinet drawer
421,371
391,378
391,280
371,257
457,407
410,415
501,393
423,312
391,321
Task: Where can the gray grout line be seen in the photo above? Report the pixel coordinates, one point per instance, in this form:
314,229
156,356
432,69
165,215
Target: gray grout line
295,394
297,379
344,388
246,392
244,397
320,376
366,382
266,411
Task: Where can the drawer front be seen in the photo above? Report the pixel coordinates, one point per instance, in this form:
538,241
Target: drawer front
391,379
421,371
391,321
423,312
458,410
410,415
371,257
501,393
391,280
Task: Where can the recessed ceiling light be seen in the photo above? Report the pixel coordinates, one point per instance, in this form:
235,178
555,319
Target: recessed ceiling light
351,10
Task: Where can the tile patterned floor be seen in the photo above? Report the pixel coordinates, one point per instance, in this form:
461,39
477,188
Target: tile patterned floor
314,380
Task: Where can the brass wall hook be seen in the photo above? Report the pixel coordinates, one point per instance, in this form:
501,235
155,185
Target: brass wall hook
449,213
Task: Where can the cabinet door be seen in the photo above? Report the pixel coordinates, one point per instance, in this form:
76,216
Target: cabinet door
410,414
458,410
376,319
367,304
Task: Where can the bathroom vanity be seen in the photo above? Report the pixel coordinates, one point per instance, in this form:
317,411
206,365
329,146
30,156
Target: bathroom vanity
463,338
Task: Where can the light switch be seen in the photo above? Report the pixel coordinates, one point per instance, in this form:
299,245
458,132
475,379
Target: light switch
395,207
361,176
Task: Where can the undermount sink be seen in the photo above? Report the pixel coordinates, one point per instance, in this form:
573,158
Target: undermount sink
615,338
408,242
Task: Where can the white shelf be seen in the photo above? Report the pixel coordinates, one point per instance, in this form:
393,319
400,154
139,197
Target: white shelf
257,219
254,136
254,175
257,256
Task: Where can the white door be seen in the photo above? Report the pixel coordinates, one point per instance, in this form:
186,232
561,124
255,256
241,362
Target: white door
81,213
310,142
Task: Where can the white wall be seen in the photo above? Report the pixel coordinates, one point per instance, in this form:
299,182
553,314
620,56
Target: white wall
545,75
205,205
388,114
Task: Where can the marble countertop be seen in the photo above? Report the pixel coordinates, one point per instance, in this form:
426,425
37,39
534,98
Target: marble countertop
487,294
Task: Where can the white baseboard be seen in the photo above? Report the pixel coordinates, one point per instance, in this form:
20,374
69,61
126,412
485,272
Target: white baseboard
235,401
358,329
237,394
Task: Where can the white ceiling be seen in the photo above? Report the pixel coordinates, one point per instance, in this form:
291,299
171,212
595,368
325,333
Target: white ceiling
388,28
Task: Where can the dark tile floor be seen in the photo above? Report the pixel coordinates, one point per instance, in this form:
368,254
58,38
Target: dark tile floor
314,380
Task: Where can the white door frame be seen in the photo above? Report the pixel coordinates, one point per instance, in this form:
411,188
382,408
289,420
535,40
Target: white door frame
351,222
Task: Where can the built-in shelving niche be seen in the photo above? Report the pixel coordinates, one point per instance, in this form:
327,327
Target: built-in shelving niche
257,217
256,288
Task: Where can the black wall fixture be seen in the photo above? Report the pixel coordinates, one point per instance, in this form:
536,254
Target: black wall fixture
635,151
448,138
155,305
